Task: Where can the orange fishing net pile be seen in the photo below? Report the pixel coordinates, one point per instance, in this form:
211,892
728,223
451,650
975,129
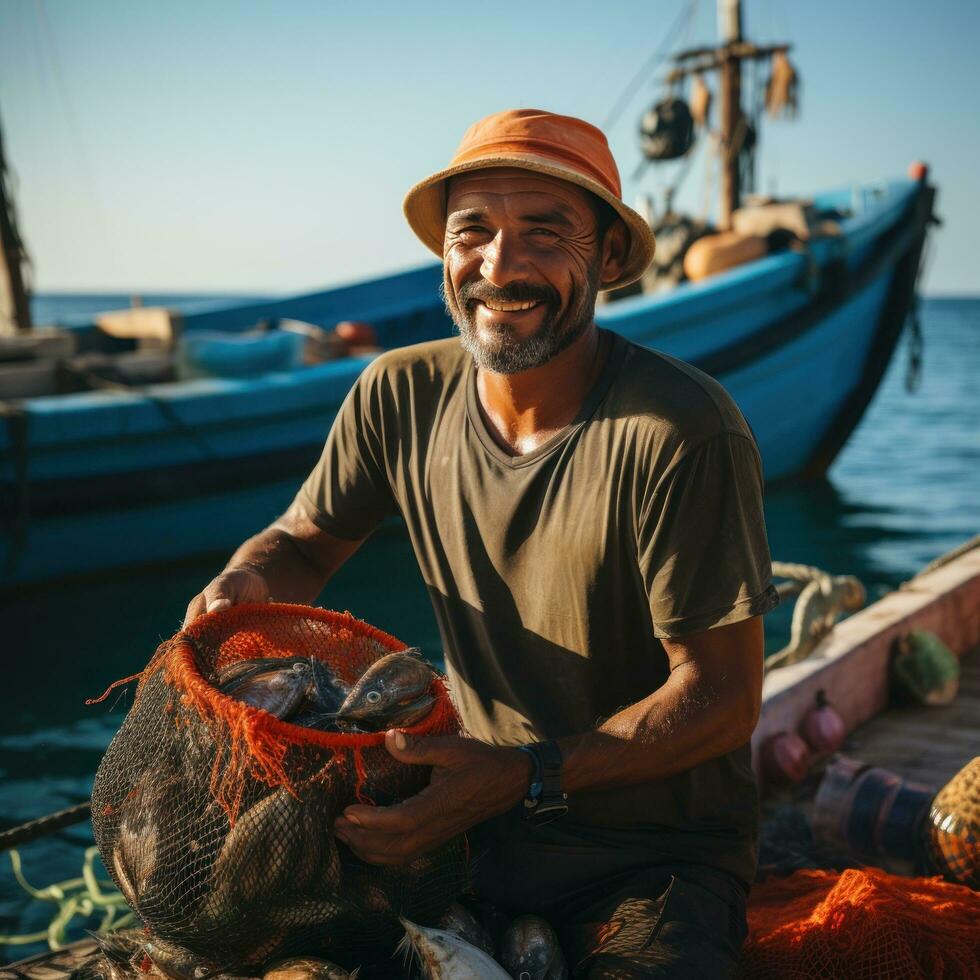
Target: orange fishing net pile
861,925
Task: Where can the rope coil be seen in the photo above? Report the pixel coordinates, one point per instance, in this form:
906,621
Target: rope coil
821,599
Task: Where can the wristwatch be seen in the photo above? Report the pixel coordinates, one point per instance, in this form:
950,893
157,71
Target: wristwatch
545,800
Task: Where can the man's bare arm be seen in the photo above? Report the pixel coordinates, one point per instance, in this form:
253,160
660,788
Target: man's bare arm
708,706
290,561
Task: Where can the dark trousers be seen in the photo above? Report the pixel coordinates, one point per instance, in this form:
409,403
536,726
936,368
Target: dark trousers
617,914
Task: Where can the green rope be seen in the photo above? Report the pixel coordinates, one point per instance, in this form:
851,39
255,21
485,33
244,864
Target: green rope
76,897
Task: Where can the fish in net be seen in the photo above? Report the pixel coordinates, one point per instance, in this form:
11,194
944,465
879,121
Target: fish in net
214,804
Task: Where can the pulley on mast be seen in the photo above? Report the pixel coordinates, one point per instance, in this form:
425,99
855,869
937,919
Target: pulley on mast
660,129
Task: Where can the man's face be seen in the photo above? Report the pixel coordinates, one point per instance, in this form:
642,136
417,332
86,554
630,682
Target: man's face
521,264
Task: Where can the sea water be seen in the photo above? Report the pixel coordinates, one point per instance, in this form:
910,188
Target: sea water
905,489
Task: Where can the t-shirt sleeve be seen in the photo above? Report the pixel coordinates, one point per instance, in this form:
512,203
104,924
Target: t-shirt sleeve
701,536
348,493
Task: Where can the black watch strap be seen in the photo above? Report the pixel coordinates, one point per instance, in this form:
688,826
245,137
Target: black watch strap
545,800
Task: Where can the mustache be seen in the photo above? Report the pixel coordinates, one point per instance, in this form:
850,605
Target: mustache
518,292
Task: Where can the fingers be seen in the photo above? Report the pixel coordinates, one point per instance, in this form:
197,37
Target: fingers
196,607
430,751
230,588
222,593
395,819
381,834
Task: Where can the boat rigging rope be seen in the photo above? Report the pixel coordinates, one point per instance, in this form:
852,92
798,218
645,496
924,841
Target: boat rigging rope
917,343
652,63
913,371
33,829
81,157
822,599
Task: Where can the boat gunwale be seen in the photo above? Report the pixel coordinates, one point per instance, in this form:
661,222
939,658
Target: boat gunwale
768,337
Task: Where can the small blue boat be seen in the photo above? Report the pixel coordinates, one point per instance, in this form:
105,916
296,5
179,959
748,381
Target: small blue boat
101,479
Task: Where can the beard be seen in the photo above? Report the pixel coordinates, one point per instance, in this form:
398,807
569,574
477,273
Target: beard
506,352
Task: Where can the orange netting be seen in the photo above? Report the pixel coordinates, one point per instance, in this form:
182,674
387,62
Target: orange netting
254,745
215,818
861,924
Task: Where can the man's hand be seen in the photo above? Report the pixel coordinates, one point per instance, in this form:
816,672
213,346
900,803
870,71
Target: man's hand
290,561
471,782
231,587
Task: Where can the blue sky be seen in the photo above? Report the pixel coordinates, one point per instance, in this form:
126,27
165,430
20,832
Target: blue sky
266,146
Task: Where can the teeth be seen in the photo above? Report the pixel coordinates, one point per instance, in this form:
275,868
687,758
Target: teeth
508,307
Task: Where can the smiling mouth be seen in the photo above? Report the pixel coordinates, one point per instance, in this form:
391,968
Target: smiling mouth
497,307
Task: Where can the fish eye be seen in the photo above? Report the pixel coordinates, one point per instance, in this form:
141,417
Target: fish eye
372,697
299,667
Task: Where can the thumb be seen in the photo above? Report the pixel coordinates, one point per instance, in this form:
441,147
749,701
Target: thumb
434,751
220,594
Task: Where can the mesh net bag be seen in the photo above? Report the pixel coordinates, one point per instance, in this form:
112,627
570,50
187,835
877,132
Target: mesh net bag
214,817
863,925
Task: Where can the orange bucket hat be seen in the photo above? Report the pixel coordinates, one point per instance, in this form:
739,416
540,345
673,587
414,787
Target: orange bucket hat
532,139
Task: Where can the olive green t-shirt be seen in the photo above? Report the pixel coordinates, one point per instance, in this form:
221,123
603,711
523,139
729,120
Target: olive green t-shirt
554,574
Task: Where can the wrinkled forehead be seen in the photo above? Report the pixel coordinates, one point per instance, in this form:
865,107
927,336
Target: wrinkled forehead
486,187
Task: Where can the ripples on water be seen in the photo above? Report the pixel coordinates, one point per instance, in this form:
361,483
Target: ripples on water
904,490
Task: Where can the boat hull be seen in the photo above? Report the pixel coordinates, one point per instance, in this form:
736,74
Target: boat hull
96,481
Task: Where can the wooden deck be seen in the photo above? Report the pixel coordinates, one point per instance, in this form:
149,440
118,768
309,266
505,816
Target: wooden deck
851,666
927,745
57,965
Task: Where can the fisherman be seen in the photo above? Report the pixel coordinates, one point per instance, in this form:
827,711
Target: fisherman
587,516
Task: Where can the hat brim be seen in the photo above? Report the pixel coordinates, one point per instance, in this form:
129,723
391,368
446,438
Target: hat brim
425,208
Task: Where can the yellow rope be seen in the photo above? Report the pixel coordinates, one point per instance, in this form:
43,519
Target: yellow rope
84,896
822,599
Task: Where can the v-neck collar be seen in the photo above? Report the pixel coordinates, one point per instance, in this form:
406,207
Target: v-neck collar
590,403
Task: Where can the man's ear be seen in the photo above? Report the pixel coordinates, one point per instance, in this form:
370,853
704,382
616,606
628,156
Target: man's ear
615,246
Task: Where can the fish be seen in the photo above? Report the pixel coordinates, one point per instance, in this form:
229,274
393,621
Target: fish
99,967
307,968
395,690
292,923
444,956
461,922
116,958
326,692
145,846
529,950
281,844
302,690
280,692
121,945
122,876
316,720
229,676
177,963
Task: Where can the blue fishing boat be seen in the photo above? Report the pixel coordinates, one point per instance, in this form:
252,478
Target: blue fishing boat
111,469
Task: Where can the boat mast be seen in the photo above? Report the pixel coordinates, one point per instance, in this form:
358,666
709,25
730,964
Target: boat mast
15,304
730,30
726,59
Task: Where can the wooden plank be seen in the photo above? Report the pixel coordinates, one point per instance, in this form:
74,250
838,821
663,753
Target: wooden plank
929,745
851,665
